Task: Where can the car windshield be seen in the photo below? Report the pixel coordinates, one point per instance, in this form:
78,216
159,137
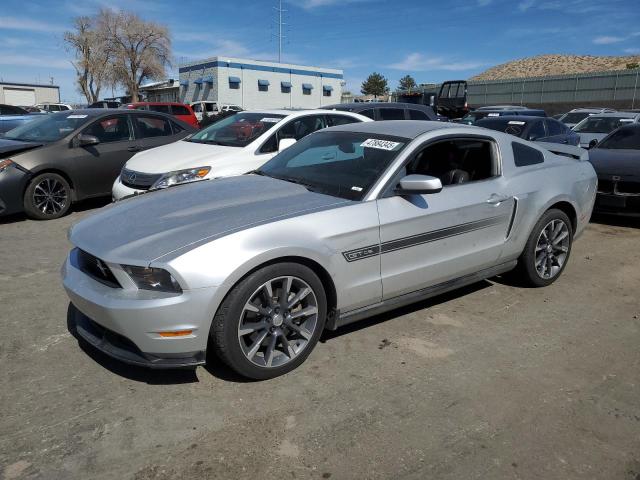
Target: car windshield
49,128
622,139
514,127
575,117
600,124
473,117
238,130
341,164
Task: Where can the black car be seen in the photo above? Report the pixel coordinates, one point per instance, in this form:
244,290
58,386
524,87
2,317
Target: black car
616,160
535,129
472,117
387,110
53,161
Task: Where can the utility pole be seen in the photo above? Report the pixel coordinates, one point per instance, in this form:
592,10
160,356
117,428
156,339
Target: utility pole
280,35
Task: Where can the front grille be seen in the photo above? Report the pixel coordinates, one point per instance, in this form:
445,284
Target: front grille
605,186
96,269
138,180
628,187
614,185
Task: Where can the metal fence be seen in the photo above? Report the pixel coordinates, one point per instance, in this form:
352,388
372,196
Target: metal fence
616,89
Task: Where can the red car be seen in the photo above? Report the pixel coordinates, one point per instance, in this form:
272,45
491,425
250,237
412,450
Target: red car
178,110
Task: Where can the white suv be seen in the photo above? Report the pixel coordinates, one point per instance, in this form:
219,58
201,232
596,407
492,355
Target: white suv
54,107
232,146
208,108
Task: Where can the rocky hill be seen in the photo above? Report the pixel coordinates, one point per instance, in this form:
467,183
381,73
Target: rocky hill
542,65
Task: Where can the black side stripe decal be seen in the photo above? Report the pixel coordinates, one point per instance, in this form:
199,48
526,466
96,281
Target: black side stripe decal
412,241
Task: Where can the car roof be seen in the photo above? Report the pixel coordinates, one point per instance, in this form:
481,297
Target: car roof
399,128
616,115
510,118
592,110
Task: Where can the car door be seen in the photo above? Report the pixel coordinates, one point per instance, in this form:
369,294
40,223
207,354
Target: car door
430,239
97,166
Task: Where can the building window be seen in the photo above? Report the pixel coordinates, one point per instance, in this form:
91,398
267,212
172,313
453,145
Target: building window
326,90
306,88
285,87
234,83
263,85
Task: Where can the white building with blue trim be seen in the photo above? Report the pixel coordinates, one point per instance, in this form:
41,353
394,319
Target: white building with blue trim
254,84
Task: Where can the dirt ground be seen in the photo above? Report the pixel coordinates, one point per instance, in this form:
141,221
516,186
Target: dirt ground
491,382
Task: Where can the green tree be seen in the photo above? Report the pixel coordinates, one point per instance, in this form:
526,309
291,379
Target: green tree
632,66
407,83
375,85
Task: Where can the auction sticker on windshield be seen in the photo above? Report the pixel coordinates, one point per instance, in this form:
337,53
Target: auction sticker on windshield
516,122
380,144
270,119
77,116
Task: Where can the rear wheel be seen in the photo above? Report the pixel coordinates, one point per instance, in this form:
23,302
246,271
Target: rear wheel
271,321
547,250
48,196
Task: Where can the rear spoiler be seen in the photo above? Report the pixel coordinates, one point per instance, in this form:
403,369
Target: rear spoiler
577,153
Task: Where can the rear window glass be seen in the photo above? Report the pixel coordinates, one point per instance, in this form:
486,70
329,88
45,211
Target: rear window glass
417,115
159,108
368,113
524,155
391,114
180,110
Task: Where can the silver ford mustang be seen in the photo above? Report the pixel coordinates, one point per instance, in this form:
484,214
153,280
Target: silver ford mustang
349,222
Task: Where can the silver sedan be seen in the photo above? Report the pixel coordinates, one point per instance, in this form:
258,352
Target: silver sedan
349,222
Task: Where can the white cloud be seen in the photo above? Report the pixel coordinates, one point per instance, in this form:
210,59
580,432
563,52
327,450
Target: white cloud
607,40
632,51
417,62
526,5
17,23
35,61
311,4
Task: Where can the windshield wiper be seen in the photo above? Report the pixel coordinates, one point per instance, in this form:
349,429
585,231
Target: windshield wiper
298,181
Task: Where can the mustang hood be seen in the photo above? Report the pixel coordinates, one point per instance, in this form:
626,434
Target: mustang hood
623,163
179,156
12,147
141,229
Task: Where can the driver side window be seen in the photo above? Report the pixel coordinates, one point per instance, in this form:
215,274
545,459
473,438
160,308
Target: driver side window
297,129
110,129
456,161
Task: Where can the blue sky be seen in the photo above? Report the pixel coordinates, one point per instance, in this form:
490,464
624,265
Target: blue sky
433,40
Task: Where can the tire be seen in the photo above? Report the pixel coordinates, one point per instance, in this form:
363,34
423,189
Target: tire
542,262
262,336
47,196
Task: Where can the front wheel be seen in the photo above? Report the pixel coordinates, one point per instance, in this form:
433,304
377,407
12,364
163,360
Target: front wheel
547,250
48,196
271,321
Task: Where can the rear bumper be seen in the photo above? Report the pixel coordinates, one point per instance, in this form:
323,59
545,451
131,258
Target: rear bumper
125,323
13,182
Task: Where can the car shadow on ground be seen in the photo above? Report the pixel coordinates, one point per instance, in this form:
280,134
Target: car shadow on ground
616,220
329,335
79,207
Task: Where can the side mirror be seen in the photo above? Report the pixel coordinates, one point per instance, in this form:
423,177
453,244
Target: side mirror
593,143
285,143
87,140
418,184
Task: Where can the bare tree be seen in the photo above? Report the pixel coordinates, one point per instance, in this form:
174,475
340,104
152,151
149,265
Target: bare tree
141,49
92,57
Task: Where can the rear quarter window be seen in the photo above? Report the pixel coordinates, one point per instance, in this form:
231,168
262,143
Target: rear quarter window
524,156
180,110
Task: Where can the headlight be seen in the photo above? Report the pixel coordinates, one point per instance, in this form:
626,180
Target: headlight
181,176
4,164
156,279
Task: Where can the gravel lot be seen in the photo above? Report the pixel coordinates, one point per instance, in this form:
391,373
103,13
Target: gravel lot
491,382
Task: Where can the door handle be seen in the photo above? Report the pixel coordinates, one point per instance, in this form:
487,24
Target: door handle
496,199
134,149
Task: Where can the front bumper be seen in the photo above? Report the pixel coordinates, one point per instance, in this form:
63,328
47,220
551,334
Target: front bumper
121,191
618,204
13,182
125,323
